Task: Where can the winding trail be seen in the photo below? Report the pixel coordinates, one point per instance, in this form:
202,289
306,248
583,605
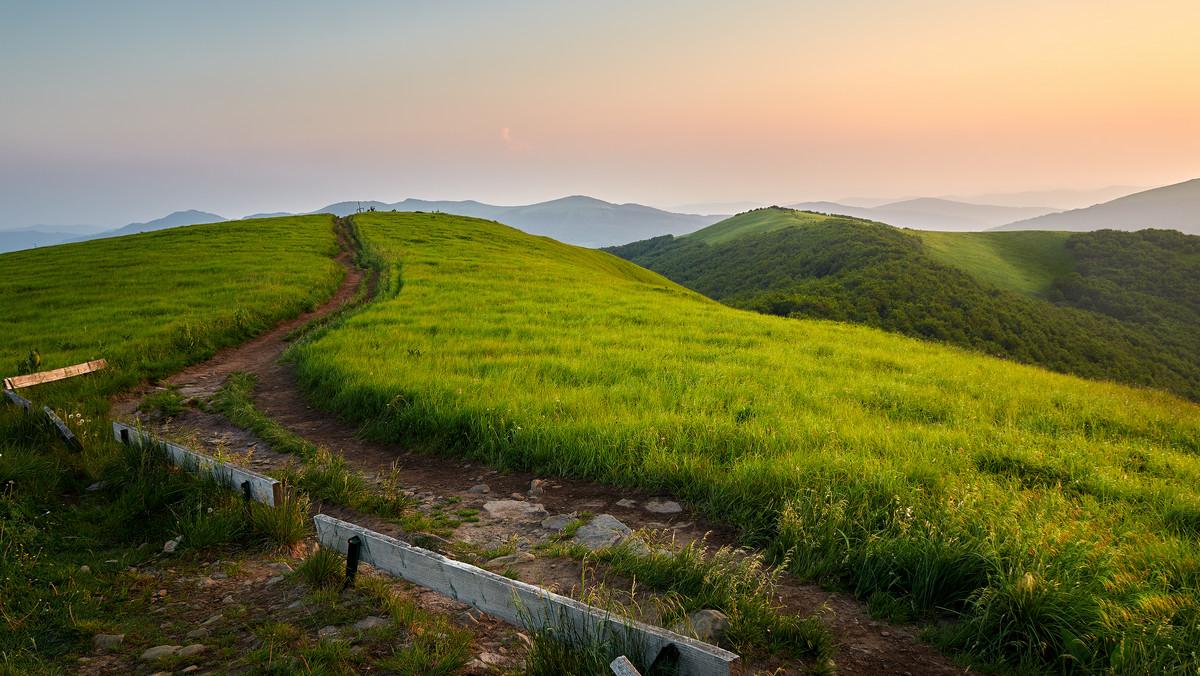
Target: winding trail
867,646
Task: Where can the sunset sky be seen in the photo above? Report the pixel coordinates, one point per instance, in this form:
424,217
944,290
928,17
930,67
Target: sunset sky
116,111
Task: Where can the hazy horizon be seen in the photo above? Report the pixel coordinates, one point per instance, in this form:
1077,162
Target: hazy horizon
125,111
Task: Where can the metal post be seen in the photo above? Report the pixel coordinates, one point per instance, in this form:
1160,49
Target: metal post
353,550
246,492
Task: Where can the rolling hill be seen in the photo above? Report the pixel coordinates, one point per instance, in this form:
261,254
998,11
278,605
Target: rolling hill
1054,517
990,292
927,213
1175,207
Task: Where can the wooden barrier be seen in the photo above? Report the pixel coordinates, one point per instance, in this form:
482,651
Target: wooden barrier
519,603
67,436
57,374
264,489
18,400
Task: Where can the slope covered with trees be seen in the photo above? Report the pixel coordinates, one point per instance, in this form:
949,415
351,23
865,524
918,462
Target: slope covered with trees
1113,321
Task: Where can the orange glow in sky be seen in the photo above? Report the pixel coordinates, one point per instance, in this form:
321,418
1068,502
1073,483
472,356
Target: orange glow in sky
128,107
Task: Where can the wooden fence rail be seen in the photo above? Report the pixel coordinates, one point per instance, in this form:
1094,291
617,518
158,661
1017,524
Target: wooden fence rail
263,489
57,374
518,603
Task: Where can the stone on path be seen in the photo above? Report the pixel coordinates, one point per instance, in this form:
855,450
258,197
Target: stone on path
603,531
108,640
503,561
559,522
329,632
160,651
513,509
171,545
479,489
663,507
192,650
281,567
627,503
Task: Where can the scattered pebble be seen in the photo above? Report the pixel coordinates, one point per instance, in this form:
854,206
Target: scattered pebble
370,622
275,580
160,651
84,569
281,567
192,650
329,632
663,507
171,545
504,561
479,489
108,640
627,503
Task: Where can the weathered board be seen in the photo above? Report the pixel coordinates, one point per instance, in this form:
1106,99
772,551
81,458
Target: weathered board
65,431
18,400
14,382
623,667
519,603
263,489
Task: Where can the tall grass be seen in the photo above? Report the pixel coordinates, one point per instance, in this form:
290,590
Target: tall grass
951,482
155,302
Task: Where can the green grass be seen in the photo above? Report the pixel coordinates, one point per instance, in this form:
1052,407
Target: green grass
755,222
873,462
1024,261
154,302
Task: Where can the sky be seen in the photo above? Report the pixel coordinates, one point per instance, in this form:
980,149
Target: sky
121,111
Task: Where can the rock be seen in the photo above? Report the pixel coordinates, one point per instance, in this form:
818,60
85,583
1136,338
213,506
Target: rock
662,507
329,632
108,640
84,569
627,503
206,582
558,522
295,604
95,487
189,670
607,521
513,509
160,651
212,620
517,496
199,632
469,618
281,567
537,487
491,659
220,575
171,545
228,599
479,489
371,621
505,561
192,650
705,625
603,531
274,580
475,666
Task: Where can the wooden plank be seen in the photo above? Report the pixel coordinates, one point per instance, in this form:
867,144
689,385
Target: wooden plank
18,400
263,489
14,382
63,429
522,604
623,667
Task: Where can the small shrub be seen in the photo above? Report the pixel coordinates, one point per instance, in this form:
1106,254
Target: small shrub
285,524
203,527
323,570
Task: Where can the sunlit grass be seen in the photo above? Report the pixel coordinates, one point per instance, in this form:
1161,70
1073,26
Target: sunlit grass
152,303
880,463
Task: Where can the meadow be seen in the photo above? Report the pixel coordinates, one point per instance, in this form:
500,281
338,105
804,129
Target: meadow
153,303
1039,521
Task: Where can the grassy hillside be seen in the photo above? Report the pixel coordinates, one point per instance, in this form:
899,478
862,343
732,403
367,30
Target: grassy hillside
1055,518
154,302
1025,262
755,222
869,273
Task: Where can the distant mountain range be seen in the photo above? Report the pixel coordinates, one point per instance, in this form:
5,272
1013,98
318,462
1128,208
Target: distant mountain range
579,220
590,222
929,213
1174,207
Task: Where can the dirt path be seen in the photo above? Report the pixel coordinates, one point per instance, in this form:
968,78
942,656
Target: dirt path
867,646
